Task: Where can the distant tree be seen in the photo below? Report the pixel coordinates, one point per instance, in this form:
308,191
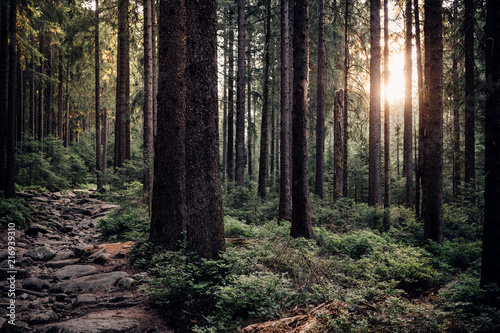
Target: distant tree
490,268
240,98
408,110
99,161
285,186
4,87
205,225
168,214
345,117
301,214
432,175
148,124
420,80
230,99
249,118
338,124
387,109
470,98
374,179
320,96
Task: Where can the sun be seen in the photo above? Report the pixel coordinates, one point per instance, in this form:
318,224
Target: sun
396,88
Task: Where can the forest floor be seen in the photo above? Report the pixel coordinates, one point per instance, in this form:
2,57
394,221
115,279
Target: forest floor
65,278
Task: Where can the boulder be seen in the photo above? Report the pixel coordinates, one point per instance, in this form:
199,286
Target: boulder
88,283
93,323
41,253
35,284
84,299
70,271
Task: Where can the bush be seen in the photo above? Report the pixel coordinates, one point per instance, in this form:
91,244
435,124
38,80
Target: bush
16,211
127,223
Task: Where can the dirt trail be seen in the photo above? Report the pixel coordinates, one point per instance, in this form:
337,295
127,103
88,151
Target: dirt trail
65,278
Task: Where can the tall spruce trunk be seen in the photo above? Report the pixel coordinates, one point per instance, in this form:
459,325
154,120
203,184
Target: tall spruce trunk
10,167
374,176
4,87
345,115
338,125
320,96
421,107
240,99
301,214
457,154
230,101
265,133
205,225
98,156
470,97
168,214
148,124
387,115
249,118
408,111
490,267
285,186
60,99
432,177
224,116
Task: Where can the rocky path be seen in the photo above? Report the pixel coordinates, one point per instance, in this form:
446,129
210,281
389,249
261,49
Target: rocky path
65,279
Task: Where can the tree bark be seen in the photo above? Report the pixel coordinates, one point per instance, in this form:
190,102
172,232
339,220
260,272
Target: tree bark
408,111
224,116
100,183
490,268
320,101
168,215
345,117
456,178
285,187
470,97
240,98
387,110
249,119
374,179
338,124
4,87
230,101
301,214
432,177
205,225
148,127
421,107
48,86
60,100
10,168
265,135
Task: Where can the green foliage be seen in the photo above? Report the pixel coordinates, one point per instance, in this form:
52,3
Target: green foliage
236,228
457,254
16,211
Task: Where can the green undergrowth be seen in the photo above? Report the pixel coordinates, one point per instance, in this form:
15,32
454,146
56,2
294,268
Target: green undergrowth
16,211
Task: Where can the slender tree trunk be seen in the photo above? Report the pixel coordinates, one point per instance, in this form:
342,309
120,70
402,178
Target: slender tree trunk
301,214
432,178
148,127
48,87
490,268
67,128
224,119
155,66
345,117
338,124
60,100
408,111
10,168
168,219
456,179
4,87
264,138
230,111
375,188
249,116
273,133
421,96
387,115
41,87
320,96
470,98
205,225
240,98
285,186
98,156
32,119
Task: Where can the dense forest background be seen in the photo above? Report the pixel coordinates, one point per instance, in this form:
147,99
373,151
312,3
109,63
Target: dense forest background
271,155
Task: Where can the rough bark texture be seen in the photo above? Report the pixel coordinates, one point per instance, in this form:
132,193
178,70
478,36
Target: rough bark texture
301,214
148,124
224,117
205,225
408,111
285,186
432,177
421,94
240,98
230,100
490,271
320,96
66,120
48,86
470,98
374,176
168,209
60,100
10,168
265,133
345,117
40,93
338,124
98,156
457,154
249,121
387,115
4,86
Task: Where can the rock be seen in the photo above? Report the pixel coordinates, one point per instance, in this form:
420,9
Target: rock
42,317
84,299
76,210
141,277
103,322
88,283
25,262
70,271
4,255
64,255
103,258
35,228
41,253
35,284
61,263
108,207
66,229
20,273
125,283
41,199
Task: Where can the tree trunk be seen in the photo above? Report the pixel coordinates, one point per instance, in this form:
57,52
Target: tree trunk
285,186
301,214
205,225
249,120
98,156
10,167
456,179
230,101
60,100
41,85
470,97
240,98
408,112
155,66
320,97
490,268
421,96
67,128
387,115
224,117
168,218
375,188
4,87
264,133
148,127
432,177
345,117
338,124
32,95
